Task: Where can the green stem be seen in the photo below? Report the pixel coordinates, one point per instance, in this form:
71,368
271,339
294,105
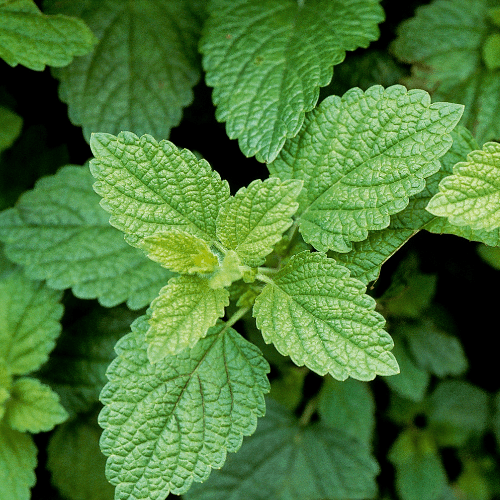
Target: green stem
236,317
311,407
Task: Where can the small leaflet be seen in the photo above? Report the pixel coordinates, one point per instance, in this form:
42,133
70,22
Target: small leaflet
166,425
471,196
253,221
314,312
182,314
149,187
377,149
10,128
33,39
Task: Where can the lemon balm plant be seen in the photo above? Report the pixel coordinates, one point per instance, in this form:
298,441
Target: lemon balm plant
236,327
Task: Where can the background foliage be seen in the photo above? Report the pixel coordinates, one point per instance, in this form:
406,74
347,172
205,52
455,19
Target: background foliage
432,432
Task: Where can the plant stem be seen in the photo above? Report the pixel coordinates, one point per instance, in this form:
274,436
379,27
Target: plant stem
308,412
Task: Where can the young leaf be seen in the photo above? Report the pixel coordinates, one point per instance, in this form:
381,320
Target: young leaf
284,460
181,315
29,322
420,474
141,74
59,233
180,252
252,221
33,406
267,61
76,462
471,196
444,42
380,159
150,187
17,463
33,39
315,313
167,424
10,128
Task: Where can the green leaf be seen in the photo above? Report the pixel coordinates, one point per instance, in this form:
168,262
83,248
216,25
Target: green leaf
444,42
180,252
471,196
29,322
167,424
349,407
181,315
59,233
380,159
491,255
230,270
33,406
76,369
76,462
10,128
151,187
496,418
33,39
17,463
420,474
286,461
267,61
413,381
457,410
315,313
141,74
253,221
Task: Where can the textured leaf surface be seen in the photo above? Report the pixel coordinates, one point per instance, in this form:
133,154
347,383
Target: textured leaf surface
76,462
59,233
252,222
141,73
349,407
76,369
471,196
33,39
167,424
180,252
315,313
267,61
10,128
420,475
33,406
181,315
284,461
29,322
361,158
17,463
444,42
151,187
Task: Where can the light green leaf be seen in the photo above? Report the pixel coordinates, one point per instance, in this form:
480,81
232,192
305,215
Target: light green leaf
286,461
230,270
420,474
433,349
33,39
141,74
76,462
180,252
59,233
457,410
377,149
76,369
471,196
150,187
444,42
349,407
181,315
17,463
413,381
10,127
33,406
267,61
29,322
167,424
315,313
253,221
